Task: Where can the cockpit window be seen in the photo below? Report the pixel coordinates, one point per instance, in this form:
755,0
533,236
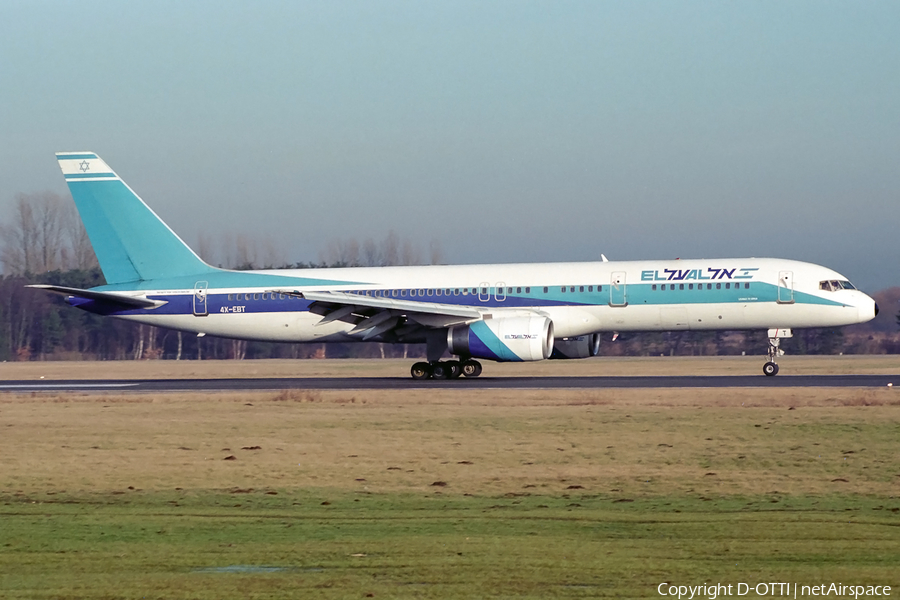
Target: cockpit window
835,285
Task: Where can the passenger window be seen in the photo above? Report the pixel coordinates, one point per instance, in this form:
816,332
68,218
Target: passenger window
680,286
545,289
718,286
746,286
581,288
572,289
256,296
518,290
229,296
509,290
690,286
709,286
653,287
590,288
563,289
431,292
727,286
528,290
599,288
438,292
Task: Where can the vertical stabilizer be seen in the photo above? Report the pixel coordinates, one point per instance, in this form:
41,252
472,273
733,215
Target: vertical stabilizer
130,241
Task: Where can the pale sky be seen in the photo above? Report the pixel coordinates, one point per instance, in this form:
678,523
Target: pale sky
508,131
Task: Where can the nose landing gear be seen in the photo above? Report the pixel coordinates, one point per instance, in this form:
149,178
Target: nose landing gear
775,336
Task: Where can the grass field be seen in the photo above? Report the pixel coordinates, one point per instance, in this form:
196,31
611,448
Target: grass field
446,494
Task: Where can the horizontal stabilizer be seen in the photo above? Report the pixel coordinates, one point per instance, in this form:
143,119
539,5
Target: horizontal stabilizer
129,301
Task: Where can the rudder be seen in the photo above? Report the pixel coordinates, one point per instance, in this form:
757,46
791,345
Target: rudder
131,242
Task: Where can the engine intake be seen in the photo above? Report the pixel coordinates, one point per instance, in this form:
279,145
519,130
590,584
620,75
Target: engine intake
504,339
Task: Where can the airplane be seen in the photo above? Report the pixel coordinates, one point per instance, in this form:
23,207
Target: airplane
497,312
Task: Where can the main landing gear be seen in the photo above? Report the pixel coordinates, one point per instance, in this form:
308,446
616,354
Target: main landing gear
451,369
775,335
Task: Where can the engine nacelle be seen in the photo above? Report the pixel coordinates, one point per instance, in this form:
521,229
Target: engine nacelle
503,339
583,346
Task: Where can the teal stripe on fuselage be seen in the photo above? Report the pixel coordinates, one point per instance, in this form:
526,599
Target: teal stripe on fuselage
637,294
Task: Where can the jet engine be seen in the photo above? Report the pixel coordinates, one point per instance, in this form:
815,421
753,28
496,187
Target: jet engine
504,339
582,346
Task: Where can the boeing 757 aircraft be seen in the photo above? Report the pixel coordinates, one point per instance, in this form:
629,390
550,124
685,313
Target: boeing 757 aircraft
500,312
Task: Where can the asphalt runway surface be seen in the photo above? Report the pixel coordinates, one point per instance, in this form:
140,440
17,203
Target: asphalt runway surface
479,383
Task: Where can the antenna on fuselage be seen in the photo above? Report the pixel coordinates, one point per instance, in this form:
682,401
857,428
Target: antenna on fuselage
603,258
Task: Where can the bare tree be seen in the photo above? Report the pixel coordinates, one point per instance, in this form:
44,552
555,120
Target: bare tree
371,257
205,248
245,253
80,252
34,241
390,249
437,252
344,253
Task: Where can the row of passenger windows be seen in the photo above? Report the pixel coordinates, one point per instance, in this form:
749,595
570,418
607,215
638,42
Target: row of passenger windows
500,291
709,286
478,291
259,296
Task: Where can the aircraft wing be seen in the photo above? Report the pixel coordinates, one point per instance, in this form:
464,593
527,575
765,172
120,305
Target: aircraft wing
112,298
376,315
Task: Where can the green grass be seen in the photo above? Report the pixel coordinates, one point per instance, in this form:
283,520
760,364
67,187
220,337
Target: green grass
219,544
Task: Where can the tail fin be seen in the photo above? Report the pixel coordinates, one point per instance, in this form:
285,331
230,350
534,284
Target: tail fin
130,241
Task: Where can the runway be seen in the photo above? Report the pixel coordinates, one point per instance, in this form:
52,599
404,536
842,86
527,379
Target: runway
480,383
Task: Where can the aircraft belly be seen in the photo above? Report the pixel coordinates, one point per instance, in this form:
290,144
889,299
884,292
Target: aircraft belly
263,327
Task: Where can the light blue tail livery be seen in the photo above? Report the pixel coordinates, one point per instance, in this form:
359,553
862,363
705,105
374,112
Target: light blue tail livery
131,242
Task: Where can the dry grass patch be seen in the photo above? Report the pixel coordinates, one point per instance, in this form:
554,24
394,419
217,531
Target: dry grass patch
484,442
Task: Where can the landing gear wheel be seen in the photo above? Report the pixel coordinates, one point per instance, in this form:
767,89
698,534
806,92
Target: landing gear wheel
770,369
471,368
441,370
420,370
455,368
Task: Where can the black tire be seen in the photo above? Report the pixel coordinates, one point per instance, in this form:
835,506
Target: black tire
770,369
455,369
471,368
420,370
441,370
